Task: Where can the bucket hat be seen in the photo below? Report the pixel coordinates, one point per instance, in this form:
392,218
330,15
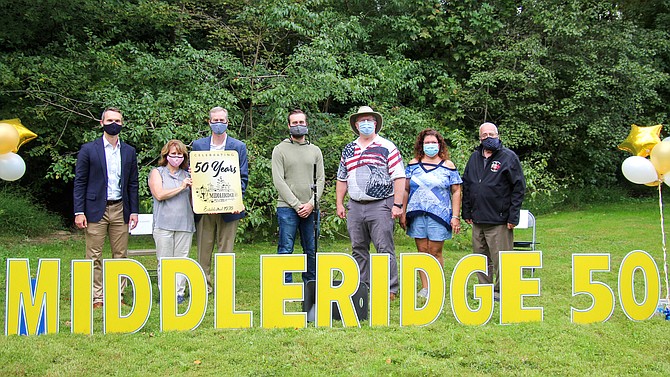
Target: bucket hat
365,110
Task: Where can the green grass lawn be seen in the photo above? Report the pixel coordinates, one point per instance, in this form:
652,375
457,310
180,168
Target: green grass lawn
554,346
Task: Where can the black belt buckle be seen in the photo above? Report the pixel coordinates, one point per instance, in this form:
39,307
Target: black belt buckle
110,202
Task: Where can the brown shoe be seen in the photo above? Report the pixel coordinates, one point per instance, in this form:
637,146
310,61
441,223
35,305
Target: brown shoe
97,305
392,296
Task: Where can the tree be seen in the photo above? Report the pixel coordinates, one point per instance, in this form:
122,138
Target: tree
563,79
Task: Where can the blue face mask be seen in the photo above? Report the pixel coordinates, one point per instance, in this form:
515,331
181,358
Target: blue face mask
431,149
219,127
366,127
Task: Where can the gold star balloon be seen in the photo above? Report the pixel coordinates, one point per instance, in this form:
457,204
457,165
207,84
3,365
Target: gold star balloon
641,140
9,138
25,135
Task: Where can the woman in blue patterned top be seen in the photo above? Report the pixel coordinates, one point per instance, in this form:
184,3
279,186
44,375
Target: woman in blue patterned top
433,198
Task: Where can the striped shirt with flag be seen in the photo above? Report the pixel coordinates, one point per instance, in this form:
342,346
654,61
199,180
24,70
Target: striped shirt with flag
370,172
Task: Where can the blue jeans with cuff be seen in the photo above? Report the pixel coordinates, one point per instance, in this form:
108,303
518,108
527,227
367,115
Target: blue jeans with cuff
289,226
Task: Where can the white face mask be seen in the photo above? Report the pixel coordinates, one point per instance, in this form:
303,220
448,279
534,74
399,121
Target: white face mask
366,127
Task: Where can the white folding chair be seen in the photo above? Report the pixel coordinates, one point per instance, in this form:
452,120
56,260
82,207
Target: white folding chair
526,221
145,226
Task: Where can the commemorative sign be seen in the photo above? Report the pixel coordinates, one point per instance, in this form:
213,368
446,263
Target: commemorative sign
33,304
216,182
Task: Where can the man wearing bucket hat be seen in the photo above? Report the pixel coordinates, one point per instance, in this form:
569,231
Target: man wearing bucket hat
372,173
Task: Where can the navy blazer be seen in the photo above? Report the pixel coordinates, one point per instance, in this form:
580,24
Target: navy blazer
90,181
241,148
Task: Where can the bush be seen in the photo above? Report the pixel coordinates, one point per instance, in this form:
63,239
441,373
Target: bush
21,215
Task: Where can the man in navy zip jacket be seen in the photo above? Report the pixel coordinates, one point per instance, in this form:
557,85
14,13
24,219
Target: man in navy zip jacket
493,190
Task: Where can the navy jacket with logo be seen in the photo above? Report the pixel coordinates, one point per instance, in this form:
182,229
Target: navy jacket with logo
493,189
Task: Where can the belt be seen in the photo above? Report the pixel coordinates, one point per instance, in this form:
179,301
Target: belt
367,201
117,201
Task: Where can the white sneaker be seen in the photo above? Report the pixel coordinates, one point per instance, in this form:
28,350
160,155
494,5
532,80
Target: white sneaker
423,293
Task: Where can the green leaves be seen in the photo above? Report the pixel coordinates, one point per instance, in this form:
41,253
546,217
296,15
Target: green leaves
563,80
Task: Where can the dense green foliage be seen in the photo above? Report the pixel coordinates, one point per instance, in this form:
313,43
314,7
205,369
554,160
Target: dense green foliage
563,79
21,216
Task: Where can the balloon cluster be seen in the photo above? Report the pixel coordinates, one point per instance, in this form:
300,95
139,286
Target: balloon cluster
643,142
12,136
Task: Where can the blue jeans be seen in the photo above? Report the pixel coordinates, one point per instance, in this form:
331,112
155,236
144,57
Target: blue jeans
289,225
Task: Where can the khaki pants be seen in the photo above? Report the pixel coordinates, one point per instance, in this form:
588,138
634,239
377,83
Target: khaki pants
490,239
210,229
111,223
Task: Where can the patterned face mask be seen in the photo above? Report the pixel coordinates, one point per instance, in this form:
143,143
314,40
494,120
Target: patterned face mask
219,127
491,143
175,161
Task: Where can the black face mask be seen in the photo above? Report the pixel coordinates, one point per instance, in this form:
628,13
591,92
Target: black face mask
491,144
112,128
298,131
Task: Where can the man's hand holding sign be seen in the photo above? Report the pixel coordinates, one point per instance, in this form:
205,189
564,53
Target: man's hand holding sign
216,182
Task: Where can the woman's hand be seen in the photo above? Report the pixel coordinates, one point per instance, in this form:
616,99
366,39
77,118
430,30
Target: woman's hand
456,224
187,182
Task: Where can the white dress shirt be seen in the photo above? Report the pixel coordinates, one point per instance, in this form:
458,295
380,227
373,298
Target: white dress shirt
113,159
221,147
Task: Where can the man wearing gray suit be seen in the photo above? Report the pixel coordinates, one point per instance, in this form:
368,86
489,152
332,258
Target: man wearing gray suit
219,228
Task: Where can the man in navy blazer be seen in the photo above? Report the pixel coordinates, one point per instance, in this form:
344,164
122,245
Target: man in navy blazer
106,199
219,228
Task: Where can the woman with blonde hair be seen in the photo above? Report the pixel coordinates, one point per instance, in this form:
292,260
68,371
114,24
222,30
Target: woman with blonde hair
170,185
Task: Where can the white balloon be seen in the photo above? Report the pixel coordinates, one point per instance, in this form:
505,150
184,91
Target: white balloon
639,170
12,166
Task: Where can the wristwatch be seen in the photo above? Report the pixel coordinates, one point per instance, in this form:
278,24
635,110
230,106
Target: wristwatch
399,205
